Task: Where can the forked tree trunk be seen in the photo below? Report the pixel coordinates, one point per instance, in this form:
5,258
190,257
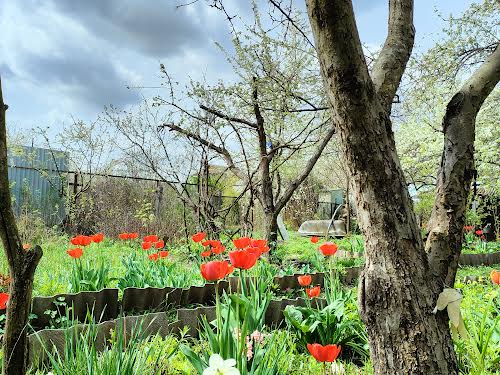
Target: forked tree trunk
400,283
396,296
22,265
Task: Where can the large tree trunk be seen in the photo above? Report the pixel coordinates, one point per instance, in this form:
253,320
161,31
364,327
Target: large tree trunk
396,296
22,265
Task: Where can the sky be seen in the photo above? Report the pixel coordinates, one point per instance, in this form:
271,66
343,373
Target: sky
64,60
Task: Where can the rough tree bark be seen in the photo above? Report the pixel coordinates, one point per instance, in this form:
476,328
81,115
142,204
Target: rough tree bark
397,289
22,265
444,243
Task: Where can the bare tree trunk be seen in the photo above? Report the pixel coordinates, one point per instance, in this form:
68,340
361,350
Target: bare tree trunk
22,265
396,296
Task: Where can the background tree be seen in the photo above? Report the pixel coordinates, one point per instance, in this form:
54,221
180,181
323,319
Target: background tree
274,112
22,265
400,283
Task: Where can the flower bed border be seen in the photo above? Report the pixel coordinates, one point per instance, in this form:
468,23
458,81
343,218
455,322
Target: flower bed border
154,323
487,259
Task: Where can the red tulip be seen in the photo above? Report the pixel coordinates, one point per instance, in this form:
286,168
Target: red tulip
4,297
243,259
495,277
313,292
206,253
160,244
479,232
153,256
327,353
26,246
75,241
254,250
75,253
218,249
146,245
215,270
206,243
163,254
123,236
133,235
98,237
468,228
258,243
81,240
241,243
215,243
314,239
151,238
328,248
198,237
305,280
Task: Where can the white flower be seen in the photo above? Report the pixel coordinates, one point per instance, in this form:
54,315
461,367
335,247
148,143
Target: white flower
218,366
338,368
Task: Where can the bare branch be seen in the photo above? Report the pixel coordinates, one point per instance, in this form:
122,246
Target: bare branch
228,118
223,152
391,63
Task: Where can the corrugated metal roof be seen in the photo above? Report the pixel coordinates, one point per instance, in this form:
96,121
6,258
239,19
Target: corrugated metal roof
35,181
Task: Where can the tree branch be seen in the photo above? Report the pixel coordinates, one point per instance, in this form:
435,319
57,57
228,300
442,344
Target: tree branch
444,243
220,150
228,118
292,186
391,63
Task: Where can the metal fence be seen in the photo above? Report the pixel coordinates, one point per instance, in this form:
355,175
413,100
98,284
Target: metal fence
36,183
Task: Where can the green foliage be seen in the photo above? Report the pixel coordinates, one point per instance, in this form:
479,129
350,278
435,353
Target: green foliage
431,80
336,323
125,356
141,272
89,276
480,352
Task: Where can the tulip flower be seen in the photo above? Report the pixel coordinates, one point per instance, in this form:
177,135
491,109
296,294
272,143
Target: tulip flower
314,239
243,259
163,254
258,243
4,297
327,353
198,237
328,248
254,250
495,277
151,238
241,243
468,228
218,249
479,232
123,236
313,292
98,237
75,253
160,244
146,245
206,253
26,246
133,235
215,270
305,280
153,256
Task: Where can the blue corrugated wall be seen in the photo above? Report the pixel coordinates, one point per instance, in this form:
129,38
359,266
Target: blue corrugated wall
35,183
